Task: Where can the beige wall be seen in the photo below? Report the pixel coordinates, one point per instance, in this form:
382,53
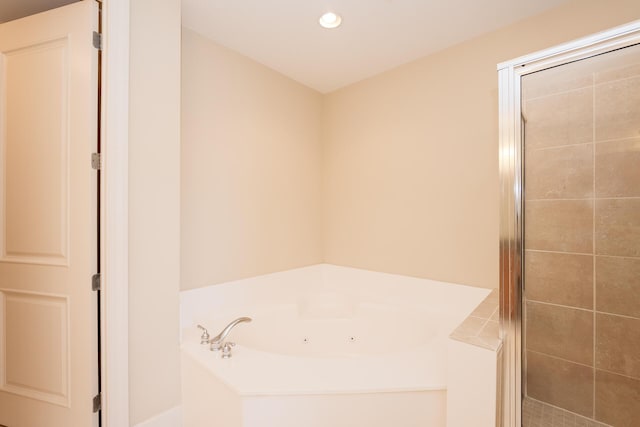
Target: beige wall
411,155
437,133
154,208
250,167
408,160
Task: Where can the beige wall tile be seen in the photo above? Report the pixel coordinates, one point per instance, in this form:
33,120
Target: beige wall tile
562,119
618,227
485,309
618,168
618,344
618,285
559,173
617,109
489,336
470,327
618,73
560,331
617,65
559,225
560,383
569,77
491,330
559,278
617,399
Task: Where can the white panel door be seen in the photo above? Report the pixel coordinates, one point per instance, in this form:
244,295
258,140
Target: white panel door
48,219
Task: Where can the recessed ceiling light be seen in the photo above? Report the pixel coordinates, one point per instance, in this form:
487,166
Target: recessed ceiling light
330,20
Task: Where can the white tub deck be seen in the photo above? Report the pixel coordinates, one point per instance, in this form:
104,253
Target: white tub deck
328,346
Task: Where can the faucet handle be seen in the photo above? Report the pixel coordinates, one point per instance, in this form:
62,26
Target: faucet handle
204,338
226,350
217,346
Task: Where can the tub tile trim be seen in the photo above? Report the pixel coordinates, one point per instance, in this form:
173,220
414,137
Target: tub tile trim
481,327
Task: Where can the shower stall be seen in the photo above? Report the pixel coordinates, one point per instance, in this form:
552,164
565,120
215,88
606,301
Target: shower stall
570,233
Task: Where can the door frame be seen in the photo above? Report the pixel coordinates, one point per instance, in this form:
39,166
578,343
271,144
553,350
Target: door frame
114,227
511,201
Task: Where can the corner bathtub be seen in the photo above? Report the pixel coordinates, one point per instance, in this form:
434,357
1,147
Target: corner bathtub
328,346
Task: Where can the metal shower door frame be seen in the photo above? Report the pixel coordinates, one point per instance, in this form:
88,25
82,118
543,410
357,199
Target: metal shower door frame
511,142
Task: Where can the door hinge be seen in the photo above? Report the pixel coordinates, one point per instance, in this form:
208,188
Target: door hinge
97,40
96,282
96,161
97,402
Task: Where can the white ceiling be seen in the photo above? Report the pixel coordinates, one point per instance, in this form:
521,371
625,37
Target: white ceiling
14,9
376,35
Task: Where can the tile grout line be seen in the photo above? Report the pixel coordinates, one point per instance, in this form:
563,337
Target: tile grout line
618,374
562,359
579,144
621,79
606,313
557,252
593,84
581,253
584,198
553,304
555,147
562,92
624,316
621,139
583,365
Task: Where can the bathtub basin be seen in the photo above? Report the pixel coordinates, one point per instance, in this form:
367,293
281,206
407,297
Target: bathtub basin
328,346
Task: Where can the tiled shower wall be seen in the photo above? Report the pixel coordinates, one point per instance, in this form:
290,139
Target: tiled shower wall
582,237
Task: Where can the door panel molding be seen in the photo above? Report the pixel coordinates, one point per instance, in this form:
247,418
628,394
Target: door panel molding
35,222
31,365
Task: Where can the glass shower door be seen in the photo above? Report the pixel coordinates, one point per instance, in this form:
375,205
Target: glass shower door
581,192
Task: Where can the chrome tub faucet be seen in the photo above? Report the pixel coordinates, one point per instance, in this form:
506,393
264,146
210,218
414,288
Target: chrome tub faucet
217,343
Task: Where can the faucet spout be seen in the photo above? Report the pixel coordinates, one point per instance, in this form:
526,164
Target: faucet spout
217,341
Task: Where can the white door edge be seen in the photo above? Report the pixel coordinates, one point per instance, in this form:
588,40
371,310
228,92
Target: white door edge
115,297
